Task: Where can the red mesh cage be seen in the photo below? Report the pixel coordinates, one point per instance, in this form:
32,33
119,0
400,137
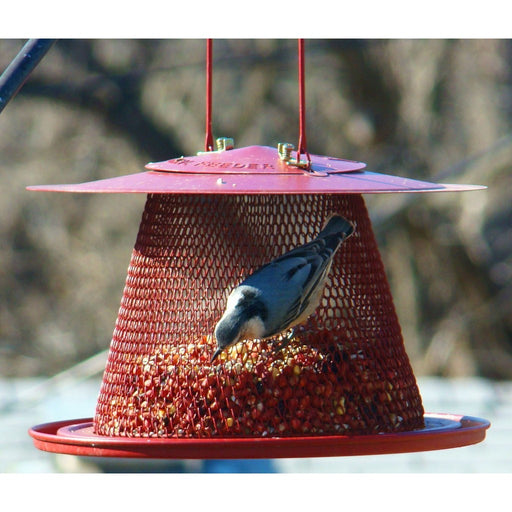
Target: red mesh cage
345,372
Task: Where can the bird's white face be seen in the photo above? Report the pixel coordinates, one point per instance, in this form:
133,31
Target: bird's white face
233,301
236,323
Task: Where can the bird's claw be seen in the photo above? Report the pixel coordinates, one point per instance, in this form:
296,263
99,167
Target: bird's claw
284,342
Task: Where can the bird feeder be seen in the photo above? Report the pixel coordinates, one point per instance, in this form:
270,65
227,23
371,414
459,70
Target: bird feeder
344,384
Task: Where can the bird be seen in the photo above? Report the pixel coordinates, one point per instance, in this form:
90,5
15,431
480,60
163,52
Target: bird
283,293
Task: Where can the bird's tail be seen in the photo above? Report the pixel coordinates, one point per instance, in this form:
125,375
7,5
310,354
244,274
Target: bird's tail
336,230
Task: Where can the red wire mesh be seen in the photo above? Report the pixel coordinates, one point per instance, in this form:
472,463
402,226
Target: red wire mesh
346,371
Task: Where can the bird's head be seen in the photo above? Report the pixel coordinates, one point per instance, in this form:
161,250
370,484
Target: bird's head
244,318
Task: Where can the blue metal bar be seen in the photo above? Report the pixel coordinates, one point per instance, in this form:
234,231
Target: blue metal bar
19,69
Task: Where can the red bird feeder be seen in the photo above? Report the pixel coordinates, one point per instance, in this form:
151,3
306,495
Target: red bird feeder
343,386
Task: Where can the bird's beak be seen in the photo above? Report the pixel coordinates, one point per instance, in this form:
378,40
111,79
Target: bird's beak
215,354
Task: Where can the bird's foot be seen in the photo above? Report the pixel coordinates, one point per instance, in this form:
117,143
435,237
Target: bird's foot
283,342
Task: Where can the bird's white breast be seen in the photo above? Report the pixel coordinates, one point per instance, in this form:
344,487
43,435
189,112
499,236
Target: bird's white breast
253,329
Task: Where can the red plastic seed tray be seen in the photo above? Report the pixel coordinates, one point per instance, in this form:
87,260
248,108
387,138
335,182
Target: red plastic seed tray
442,431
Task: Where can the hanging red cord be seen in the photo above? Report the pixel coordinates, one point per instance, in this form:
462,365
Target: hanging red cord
208,145
301,149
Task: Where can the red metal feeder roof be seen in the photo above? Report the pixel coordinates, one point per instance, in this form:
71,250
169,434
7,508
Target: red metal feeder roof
254,170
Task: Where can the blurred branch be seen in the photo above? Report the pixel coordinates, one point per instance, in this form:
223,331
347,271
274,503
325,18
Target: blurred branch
370,90
118,104
384,216
116,98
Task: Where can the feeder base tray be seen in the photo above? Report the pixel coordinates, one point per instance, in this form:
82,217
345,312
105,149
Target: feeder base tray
442,431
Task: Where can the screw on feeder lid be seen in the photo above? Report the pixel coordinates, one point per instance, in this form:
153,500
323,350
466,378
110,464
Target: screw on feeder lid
225,144
222,143
285,154
285,151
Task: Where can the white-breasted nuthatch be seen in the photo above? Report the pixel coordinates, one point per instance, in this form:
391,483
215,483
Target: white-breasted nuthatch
283,293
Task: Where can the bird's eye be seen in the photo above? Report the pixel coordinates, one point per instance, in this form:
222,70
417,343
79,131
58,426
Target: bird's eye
248,294
246,298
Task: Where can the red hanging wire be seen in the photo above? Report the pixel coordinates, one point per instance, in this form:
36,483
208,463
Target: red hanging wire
208,145
301,149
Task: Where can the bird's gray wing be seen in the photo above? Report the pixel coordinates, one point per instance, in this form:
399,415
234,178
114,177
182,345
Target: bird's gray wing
301,270
317,270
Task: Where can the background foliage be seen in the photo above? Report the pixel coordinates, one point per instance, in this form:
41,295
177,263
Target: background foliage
438,110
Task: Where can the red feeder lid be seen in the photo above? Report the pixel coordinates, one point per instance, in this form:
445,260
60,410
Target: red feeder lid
254,170
253,160
442,431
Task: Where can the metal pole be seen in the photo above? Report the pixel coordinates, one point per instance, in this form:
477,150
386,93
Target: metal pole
19,69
